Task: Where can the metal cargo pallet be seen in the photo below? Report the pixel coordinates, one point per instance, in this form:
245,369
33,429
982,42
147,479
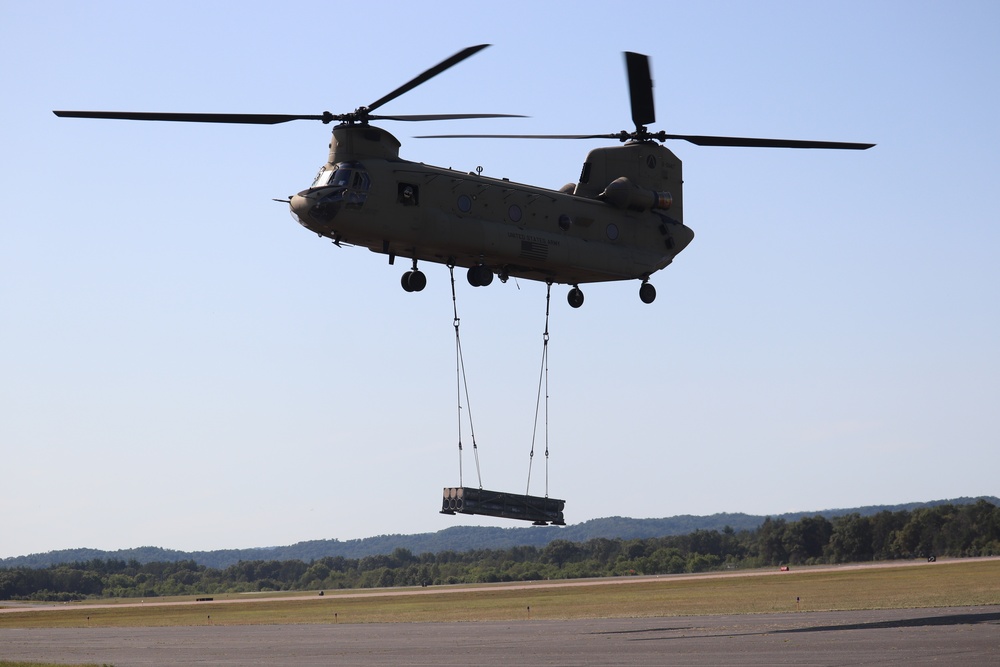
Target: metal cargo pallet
539,510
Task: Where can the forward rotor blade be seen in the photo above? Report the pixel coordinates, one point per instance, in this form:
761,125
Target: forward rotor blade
245,118
748,142
640,87
429,74
448,116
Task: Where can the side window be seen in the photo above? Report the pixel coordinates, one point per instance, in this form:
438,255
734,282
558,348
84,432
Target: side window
408,194
355,181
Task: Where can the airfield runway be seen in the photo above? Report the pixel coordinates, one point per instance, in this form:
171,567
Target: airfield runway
961,635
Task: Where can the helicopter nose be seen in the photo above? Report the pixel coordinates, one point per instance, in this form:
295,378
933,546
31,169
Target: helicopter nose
300,205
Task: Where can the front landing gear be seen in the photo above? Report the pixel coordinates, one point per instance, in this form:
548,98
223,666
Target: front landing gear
480,276
413,280
575,297
647,293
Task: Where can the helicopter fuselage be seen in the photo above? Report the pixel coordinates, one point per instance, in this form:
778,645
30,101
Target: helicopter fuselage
622,220
367,196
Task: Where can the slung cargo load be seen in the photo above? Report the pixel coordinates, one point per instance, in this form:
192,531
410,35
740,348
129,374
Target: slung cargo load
540,511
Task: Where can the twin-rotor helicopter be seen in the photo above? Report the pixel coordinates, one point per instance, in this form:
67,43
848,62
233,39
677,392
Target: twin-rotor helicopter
622,220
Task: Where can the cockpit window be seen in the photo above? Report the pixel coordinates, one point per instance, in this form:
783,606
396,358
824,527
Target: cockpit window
349,175
341,177
322,178
344,175
351,181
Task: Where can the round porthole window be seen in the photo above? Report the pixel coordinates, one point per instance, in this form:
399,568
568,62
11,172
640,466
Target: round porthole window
465,203
612,232
514,213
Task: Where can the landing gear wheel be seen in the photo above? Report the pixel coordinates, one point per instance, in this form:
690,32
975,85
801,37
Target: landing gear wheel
413,281
480,276
647,293
575,297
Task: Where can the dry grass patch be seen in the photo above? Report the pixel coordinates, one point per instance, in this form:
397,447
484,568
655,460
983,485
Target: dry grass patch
958,583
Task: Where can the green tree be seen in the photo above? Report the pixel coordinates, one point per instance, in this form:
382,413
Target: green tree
560,552
770,542
851,540
805,539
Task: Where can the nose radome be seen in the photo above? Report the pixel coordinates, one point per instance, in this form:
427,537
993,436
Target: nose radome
300,205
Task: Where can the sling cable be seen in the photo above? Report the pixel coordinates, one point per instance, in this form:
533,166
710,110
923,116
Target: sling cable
540,510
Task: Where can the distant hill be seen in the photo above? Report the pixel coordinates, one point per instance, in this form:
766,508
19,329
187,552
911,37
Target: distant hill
461,538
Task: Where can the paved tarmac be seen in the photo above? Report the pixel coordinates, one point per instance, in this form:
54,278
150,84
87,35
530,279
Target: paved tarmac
962,635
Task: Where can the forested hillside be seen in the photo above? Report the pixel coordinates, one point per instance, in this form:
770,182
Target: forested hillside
942,530
461,538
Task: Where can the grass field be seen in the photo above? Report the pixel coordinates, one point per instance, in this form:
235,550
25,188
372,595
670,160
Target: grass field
942,584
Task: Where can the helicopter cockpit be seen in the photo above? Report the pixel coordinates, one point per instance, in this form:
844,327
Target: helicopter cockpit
350,177
344,185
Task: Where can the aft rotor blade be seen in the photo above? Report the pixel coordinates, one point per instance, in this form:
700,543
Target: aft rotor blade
246,118
744,142
518,136
429,74
640,87
748,142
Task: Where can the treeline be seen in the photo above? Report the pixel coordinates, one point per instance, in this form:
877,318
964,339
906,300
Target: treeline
946,530
461,538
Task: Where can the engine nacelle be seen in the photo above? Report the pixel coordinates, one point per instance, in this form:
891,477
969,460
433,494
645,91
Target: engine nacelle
623,193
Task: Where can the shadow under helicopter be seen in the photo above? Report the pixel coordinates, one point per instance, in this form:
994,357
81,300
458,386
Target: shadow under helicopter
892,624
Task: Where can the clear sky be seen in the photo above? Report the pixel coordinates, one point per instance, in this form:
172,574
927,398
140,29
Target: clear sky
182,365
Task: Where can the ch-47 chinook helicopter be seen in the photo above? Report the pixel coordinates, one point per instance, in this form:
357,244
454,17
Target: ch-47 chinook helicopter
623,220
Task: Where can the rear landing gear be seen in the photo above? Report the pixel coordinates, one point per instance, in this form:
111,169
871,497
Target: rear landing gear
575,297
647,293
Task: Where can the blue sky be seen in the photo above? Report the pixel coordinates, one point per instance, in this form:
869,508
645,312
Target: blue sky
183,366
